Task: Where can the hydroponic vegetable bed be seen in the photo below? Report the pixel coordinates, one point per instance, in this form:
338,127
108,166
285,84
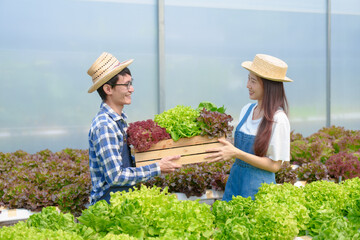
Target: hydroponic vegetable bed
320,210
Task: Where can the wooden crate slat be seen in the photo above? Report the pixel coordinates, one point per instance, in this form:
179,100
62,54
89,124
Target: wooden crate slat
192,150
187,150
183,160
169,143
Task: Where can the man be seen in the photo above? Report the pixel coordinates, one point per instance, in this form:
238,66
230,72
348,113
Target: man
112,167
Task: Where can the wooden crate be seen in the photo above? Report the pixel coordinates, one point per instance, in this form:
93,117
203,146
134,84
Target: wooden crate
192,150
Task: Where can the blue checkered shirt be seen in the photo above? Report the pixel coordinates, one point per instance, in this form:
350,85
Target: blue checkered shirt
106,141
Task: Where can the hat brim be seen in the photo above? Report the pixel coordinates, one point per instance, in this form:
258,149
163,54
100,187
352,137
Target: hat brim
247,65
110,75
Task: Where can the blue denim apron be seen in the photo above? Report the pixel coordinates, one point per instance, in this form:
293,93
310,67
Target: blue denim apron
245,179
127,161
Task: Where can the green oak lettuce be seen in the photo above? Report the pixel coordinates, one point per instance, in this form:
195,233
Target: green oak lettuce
22,231
179,122
151,213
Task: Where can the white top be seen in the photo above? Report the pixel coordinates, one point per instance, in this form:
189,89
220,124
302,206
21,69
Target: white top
279,146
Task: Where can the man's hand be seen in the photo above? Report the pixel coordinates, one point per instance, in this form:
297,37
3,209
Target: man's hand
166,164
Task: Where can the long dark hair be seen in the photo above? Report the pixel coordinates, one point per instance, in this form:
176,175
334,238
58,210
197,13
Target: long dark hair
273,99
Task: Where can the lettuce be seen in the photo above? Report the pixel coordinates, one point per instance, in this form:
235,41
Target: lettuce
273,221
143,134
179,122
288,195
150,213
22,231
337,228
278,212
210,107
51,218
215,124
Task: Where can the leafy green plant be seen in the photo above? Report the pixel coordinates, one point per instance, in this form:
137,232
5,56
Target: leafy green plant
213,121
35,181
184,121
337,228
285,211
329,203
286,174
288,195
194,179
231,218
50,223
350,142
97,217
215,124
273,221
51,218
219,180
332,133
314,171
344,165
299,152
319,218
210,107
277,213
143,134
150,213
325,194
323,144
321,210
179,122
295,136
352,187
22,231
304,151
190,180
234,228
342,140
352,205
352,210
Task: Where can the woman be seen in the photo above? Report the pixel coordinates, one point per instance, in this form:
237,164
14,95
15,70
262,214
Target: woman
262,138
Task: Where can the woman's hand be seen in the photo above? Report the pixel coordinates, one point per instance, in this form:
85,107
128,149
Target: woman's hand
226,152
229,151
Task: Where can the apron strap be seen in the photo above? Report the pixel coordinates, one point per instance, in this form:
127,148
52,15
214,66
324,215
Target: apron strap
127,159
245,117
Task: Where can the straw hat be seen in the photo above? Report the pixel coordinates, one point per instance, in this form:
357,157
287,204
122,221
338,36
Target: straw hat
268,67
104,68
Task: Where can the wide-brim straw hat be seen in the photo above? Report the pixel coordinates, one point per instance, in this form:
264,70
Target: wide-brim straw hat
104,68
268,67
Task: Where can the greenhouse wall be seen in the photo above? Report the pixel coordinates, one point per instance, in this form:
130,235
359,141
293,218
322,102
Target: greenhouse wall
46,48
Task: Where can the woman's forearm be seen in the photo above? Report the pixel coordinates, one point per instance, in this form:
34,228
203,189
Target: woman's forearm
264,163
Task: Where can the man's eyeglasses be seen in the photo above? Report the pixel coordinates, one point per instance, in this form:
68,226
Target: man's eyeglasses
128,85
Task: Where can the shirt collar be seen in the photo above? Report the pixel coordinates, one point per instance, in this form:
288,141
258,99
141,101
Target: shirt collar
108,110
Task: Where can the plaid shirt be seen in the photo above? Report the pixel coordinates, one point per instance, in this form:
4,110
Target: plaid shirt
106,141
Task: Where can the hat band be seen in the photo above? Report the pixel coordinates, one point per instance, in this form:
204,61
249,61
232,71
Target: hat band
106,70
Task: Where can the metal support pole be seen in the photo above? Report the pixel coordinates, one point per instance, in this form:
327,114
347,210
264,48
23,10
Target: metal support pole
328,64
161,56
